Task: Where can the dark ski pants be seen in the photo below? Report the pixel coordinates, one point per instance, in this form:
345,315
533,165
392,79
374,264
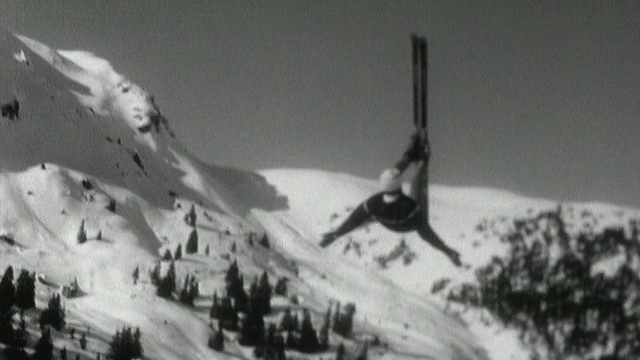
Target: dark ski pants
360,217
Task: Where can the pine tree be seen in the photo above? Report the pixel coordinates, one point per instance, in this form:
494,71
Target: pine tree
308,337
99,236
336,318
192,243
16,349
292,340
235,287
136,275
6,329
252,328
184,293
216,340
167,255
264,241
190,217
178,254
206,250
260,344
154,275
264,293
26,290
287,322
214,313
7,291
363,355
324,331
281,286
83,341
228,314
44,347
63,353
168,283
112,206
340,352
54,315
343,323
274,345
136,351
82,234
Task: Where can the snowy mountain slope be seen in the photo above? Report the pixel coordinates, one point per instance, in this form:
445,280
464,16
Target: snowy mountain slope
90,147
470,220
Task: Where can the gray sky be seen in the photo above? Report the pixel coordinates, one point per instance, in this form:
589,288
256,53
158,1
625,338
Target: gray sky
536,97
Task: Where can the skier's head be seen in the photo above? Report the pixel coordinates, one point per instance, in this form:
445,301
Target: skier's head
390,180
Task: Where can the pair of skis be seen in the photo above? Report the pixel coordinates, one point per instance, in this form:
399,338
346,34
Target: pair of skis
420,63
420,50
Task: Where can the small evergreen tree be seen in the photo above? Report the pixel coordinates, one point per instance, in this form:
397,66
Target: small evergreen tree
252,329
99,236
260,345
274,345
235,287
189,291
214,313
112,206
7,291
281,286
216,340
190,217
83,341
308,337
54,315
264,294
168,284
340,352
292,340
167,255
343,323
228,314
192,243
287,322
363,355
324,331
44,347
26,290
206,250
264,241
136,275
63,353
136,351
6,329
16,349
82,234
154,275
178,254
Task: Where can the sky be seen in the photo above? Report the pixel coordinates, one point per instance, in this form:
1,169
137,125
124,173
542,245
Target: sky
540,98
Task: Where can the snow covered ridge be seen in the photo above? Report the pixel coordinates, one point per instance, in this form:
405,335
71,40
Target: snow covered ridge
110,92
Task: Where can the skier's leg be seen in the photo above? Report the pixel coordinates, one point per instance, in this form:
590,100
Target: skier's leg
427,234
357,218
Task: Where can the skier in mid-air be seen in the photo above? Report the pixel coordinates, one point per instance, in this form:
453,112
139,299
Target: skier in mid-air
395,210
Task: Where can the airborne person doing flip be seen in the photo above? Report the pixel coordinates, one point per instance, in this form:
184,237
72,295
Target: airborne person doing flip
391,207
395,210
